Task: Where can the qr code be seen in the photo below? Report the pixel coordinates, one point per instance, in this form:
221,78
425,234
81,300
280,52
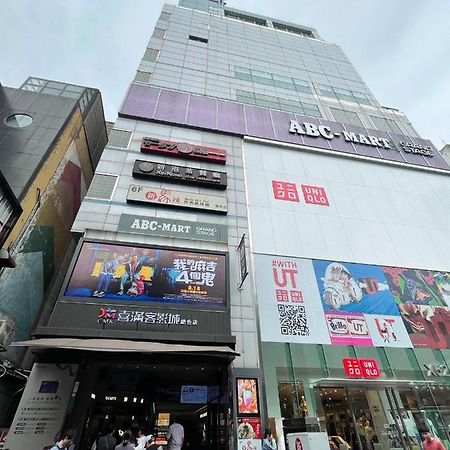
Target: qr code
293,320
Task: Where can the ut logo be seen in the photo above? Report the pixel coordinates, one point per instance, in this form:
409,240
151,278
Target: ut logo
284,276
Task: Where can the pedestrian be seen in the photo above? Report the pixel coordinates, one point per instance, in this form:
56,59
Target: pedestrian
65,441
269,442
125,444
175,435
141,440
107,441
430,443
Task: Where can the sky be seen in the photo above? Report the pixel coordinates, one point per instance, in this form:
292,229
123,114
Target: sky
401,48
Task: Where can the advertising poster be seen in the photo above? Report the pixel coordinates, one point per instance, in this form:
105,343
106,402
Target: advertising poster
421,297
247,395
289,302
194,394
249,433
125,273
42,408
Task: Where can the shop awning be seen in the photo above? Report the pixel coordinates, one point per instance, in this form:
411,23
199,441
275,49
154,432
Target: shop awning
119,345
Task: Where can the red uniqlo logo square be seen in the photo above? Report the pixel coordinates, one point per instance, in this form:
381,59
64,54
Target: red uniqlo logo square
282,295
315,195
352,368
285,191
369,368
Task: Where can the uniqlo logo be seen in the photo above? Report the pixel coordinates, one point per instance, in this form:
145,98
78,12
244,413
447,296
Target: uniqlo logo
352,368
296,297
285,191
315,195
282,295
369,368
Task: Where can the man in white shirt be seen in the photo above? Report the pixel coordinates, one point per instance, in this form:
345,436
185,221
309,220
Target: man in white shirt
175,435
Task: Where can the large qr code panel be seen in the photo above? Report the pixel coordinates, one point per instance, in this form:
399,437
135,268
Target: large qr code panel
293,320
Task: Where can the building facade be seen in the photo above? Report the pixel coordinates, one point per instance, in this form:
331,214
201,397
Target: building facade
263,245
51,137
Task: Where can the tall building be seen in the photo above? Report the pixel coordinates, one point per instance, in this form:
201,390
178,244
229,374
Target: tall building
51,138
263,245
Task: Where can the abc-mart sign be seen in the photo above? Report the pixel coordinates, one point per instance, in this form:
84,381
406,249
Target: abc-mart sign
313,130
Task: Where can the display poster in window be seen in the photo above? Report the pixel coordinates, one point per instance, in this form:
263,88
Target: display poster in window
194,394
249,433
340,303
247,396
148,274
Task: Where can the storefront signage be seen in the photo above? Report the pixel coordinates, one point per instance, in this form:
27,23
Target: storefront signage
437,370
111,315
183,150
242,260
249,433
179,174
183,229
287,191
361,368
410,147
148,274
177,199
194,394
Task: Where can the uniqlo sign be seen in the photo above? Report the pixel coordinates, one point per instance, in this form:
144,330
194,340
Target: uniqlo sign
361,368
315,195
285,191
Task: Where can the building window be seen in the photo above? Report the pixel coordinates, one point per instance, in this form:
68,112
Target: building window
291,29
198,39
165,16
343,94
18,120
384,124
119,138
245,18
151,54
102,186
158,33
347,117
142,77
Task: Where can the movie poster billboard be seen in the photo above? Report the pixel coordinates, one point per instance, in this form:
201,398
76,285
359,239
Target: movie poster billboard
148,274
247,396
322,302
249,433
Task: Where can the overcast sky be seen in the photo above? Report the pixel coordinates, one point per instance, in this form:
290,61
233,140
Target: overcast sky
401,48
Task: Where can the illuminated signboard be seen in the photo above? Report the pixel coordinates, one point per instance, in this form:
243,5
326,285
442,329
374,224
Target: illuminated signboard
183,150
179,174
177,199
128,274
361,368
247,395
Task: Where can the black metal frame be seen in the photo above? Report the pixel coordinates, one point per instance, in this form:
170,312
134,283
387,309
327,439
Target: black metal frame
17,210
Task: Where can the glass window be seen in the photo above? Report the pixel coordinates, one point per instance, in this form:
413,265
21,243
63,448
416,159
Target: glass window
302,86
344,94
51,91
56,85
70,94
384,124
283,82
36,81
262,77
18,120
348,117
242,73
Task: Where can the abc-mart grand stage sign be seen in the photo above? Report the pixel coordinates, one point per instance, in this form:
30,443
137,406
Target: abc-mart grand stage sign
324,131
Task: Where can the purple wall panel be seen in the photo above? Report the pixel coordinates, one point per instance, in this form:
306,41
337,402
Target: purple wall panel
230,117
258,121
202,112
140,101
172,107
279,121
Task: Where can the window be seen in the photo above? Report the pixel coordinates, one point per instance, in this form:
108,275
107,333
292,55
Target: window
158,33
198,38
18,121
384,124
142,77
242,73
151,54
292,29
245,18
343,94
165,16
119,138
102,186
348,117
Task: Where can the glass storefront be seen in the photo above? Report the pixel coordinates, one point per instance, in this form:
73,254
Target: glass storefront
306,385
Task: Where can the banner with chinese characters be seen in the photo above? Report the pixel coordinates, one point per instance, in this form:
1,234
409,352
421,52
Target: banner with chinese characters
148,274
323,302
177,199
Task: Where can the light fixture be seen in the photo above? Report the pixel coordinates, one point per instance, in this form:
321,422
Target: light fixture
93,396
142,400
125,399
134,400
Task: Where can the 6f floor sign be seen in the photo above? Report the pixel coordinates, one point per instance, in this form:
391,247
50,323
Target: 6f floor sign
314,195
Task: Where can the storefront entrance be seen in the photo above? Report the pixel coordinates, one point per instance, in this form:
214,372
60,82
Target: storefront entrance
147,397
374,418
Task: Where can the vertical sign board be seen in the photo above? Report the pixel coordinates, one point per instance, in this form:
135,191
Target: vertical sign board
42,409
242,260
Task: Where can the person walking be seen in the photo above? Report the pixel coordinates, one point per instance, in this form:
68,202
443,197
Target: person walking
269,442
125,444
430,443
175,435
107,441
65,441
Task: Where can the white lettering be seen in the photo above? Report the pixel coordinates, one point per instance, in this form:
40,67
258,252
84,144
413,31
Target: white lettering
136,224
153,225
325,132
145,224
166,227
311,129
374,141
363,140
385,142
295,127
350,136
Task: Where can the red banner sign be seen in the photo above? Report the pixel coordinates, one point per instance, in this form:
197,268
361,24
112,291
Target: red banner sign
183,150
361,368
